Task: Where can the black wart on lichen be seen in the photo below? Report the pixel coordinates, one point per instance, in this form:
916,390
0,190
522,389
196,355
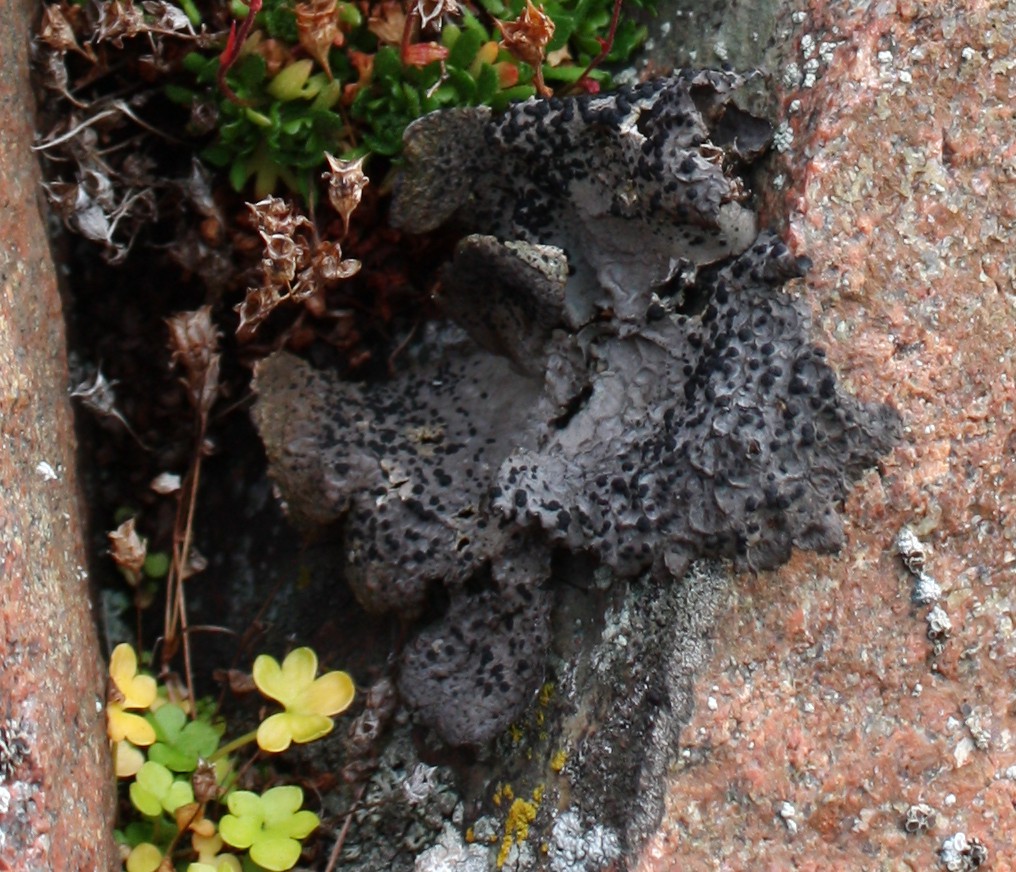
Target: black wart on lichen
625,377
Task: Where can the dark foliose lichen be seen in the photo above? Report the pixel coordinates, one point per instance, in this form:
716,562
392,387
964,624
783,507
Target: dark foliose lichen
625,377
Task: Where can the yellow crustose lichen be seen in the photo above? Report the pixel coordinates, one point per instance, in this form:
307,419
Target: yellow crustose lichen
521,814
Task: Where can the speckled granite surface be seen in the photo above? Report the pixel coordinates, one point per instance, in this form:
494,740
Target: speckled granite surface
56,793
825,713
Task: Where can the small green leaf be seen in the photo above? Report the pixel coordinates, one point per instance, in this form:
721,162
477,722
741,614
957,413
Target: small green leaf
450,34
136,832
288,83
464,84
387,64
196,63
258,118
179,95
144,800
250,71
239,172
495,8
466,46
156,564
486,84
520,92
168,720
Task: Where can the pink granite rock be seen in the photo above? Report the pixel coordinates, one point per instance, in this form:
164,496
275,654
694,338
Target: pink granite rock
826,715
56,785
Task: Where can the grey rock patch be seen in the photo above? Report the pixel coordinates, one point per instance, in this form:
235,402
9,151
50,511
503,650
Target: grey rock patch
452,854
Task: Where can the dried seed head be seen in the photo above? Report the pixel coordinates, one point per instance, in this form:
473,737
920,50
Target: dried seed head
196,562
204,782
98,395
282,256
275,215
317,23
939,628
194,341
435,10
255,308
329,264
119,20
128,550
346,181
527,37
960,853
365,730
113,693
387,22
240,683
56,31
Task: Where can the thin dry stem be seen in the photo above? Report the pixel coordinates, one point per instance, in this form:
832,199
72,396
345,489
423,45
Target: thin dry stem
333,859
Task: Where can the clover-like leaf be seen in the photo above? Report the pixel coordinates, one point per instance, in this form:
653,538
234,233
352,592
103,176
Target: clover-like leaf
129,690
270,826
181,743
309,702
209,857
145,857
127,758
154,790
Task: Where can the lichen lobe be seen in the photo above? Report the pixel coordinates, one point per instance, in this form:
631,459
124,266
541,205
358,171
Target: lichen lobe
627,378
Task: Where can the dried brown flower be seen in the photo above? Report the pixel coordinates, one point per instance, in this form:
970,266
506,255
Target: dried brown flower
387,22
120,19
317,23
346,181
128,551
297,265
330,265
275,215
434,10
204,782
56,31
194,341
258,304
527,38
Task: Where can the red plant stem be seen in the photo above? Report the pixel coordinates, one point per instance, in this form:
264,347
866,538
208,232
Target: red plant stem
605,44
237,37
407,33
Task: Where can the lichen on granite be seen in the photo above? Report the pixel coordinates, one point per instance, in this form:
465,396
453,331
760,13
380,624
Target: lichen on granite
632,382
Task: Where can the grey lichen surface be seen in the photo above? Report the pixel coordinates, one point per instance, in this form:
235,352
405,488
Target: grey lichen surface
635,384
406,464
720,433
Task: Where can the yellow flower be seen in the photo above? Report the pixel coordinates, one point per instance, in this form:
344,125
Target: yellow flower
129,691
309,702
